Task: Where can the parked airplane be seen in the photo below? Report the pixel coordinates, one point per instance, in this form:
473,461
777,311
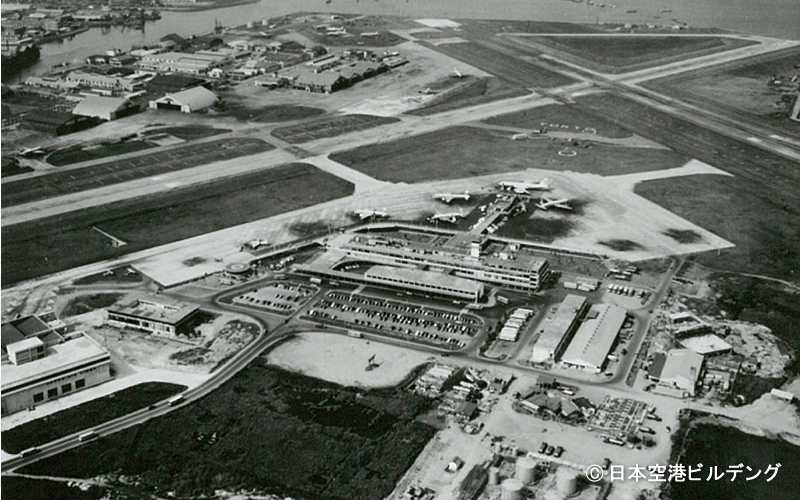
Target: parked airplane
428,91
31,151
368,213
256,244
450,197
522,187
545,203
451,217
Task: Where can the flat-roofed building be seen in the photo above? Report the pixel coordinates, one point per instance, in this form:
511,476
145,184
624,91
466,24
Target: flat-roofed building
425,281
559,329
161,316
106,82
76,363
595,338
678,374
706,345
508,269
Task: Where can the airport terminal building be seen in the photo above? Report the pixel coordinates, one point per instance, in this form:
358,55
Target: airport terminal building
161,317
42,363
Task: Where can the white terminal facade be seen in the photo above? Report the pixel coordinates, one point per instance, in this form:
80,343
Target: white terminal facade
448,264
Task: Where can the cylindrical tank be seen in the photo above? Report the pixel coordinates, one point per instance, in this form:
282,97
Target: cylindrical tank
567,481
525,467
250,24
494,476
512,489
265,22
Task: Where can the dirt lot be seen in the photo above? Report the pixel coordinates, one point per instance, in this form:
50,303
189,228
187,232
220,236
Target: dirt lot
458,152
61,242
509,68
622,54
329,127
115,172
86,415
740,87
557,117
766,233
311,355
470,91
343,443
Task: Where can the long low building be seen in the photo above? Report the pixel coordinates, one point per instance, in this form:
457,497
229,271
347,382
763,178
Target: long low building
559,329
426,281
677,372
595,338
47,366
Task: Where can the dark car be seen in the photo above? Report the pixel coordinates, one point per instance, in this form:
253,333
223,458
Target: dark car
559,451
543,448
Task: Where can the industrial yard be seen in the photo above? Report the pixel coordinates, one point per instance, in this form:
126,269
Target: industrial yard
374,257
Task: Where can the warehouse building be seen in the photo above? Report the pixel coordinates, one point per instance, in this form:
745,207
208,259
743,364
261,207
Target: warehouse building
706,345
187,101
56,122
559,329
595,338
325,82
106,108
106,82
676,373
43,360
162,317
169,84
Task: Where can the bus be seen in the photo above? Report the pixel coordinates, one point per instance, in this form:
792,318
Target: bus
177,400
86,436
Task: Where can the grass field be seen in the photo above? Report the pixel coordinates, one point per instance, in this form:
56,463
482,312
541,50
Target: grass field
277,432
37,248
241,109
78,154
473,92
118,275
459,152
329,127
622,54
192,132
504,66
766,231
12,167
117,171
86,415
740,90
555,116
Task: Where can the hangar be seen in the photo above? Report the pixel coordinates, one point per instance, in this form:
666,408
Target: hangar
559,329
106,108
56,122
595,338
678,373
187,101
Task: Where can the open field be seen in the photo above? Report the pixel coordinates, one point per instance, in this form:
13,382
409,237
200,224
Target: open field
766,231
117,275
529,27
86,415
90,302
77,154
311,355
740,89
115,172
458,152
192,132
501,65
12,167
556,117
41,247
329,127
22,488
249,109
472,92
277,432
620,54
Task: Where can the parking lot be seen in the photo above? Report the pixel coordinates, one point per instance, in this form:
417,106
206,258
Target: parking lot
281,297
423,324
115,172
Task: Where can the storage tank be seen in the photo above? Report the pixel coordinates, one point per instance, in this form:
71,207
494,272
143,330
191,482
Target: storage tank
567,481
494,476
525,467
250,24
512,489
